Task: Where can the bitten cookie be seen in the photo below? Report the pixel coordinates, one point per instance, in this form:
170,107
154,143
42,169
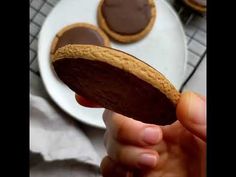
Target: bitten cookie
126,20
117,81
79,33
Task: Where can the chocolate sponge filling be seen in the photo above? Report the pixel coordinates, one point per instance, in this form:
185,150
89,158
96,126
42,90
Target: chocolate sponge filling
116,90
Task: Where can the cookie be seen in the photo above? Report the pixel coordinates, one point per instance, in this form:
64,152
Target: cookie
126,20
79,33
199,5
117,81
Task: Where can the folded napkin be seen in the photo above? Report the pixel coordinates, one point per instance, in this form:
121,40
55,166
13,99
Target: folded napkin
54,136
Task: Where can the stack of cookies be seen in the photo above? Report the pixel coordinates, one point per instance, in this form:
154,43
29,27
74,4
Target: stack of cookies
83,59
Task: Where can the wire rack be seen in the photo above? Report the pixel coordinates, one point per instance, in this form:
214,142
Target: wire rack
193,22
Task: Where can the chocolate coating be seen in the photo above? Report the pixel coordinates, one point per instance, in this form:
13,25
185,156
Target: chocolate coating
126,16
79,35
116,90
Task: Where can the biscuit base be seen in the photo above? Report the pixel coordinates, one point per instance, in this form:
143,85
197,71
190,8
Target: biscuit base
117,81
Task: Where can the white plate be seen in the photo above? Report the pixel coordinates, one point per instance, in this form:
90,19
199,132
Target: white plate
164,48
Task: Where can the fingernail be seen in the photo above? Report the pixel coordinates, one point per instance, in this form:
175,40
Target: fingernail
151,135
147,160
196,111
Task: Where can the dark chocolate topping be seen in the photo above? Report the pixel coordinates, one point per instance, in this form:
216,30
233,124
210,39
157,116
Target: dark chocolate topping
79,35
126,16
116,89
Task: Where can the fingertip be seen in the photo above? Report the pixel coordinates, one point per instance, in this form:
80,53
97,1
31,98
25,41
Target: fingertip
148,160
183,105
191,107
191,112
151,135
86,102
132,156
130,131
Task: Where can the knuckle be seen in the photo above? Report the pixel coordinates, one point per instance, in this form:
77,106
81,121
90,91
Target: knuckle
120,129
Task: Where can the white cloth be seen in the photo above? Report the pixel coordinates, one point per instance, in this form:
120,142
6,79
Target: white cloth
56,136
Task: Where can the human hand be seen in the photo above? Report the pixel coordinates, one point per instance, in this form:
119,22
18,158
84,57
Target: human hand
147,150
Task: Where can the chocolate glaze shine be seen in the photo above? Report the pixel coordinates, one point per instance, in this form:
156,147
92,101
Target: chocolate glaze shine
79,35
126,16
116,90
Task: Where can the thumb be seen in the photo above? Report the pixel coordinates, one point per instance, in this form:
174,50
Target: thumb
191,112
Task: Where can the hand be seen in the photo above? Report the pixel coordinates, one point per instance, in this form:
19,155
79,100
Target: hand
146,150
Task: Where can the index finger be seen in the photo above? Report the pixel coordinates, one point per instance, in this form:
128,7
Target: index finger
86,102
131,131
